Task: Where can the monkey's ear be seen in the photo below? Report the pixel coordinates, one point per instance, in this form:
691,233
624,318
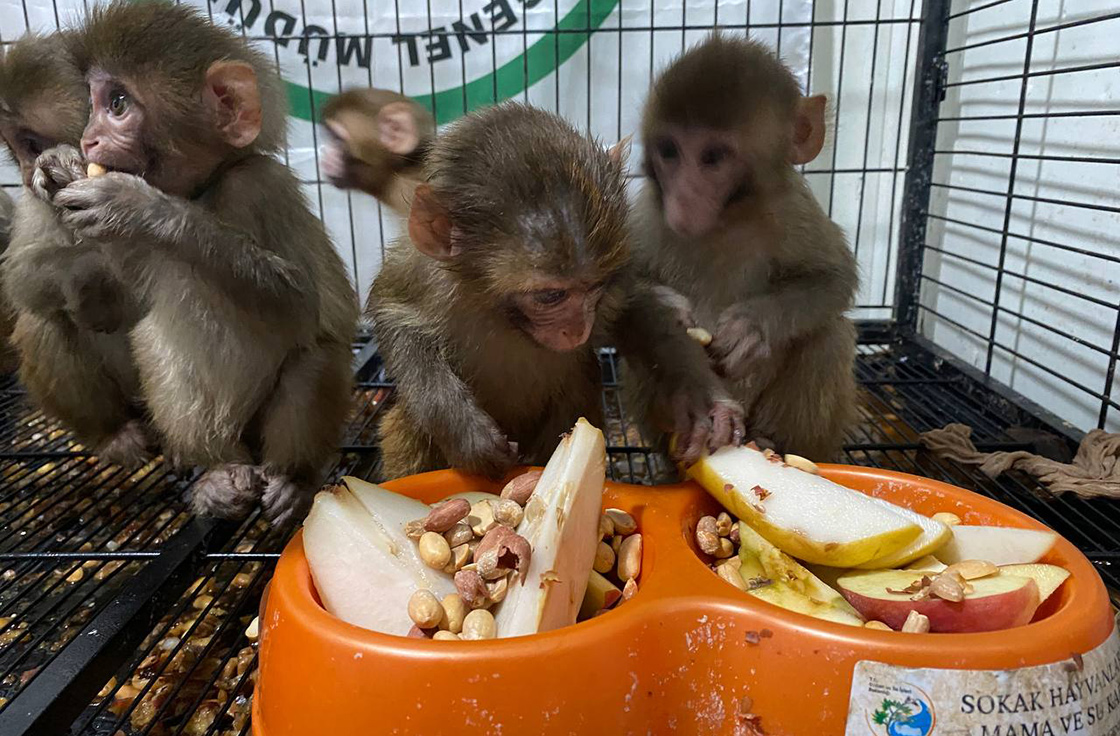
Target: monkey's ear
808,129
396,127
235,99
620,152
429,225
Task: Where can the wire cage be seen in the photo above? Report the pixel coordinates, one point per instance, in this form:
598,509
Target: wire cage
972,162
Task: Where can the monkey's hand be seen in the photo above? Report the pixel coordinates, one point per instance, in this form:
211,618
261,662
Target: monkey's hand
704,419
115,204
482,448
739,345
55,169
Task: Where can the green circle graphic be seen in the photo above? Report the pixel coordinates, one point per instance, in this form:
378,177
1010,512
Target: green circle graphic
509,80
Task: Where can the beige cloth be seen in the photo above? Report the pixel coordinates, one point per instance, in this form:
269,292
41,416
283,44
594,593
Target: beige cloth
1095,470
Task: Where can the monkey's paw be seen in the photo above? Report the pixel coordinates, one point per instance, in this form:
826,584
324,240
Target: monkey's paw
228,491
117,204
485,451
284,499
704,422
130,447
738,345
55,169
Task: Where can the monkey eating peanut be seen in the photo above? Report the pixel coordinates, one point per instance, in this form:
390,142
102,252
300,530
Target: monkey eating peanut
243,353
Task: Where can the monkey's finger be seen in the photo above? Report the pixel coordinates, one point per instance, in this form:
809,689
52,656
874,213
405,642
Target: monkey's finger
721,427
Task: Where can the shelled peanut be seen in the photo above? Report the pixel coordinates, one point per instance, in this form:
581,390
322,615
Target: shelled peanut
478,545
718,536
618,563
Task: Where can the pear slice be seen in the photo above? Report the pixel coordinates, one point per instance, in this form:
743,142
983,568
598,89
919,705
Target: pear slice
364,566
792,586
601,593
934,536
561,524
804,515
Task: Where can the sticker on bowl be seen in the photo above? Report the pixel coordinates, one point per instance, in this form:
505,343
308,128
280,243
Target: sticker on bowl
1077,697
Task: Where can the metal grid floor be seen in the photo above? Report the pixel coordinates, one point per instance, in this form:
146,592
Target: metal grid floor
111,595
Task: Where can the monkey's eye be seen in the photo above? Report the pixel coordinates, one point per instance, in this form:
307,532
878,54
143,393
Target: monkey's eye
550,297
667,149
714,155
33,144
118,103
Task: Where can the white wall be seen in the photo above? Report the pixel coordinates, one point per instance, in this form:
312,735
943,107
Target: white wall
1061,359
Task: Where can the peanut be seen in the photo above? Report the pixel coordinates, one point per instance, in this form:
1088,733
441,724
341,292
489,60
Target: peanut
445,636
94,170
623,522
947,518
708,542
801,463
708,524
726,549
616,543
521,488
629,589
434,550
479,624
481,518
916,623
447,515
414,529
454,611
497,590
731,575
630,557
424,609
253,632
877,625
472,588
504,543
972,569
604,558
487,563
947,586
459,556
507,512
606,527
723,524
700,335
733,535
461,533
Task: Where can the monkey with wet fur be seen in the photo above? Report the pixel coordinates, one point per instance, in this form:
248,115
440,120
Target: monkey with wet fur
515,267
71,311
730,232
243,352
376,142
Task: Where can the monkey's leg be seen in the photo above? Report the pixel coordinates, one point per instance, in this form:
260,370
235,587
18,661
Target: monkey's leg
300,426
813,398
87,381
405,448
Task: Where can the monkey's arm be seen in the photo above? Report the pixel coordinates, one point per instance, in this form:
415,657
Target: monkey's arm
433,394
225,244
36,260
691,398
802,303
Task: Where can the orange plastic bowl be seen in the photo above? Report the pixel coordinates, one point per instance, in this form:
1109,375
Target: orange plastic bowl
677,657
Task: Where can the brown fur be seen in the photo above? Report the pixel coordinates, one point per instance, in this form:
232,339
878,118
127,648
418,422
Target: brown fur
529,200
362,161
243,351
776,262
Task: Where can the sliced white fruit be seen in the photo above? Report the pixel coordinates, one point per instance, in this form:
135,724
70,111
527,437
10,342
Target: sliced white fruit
364,566
790,585
929,563
999,545
1048,578
561,524
804,515
934,536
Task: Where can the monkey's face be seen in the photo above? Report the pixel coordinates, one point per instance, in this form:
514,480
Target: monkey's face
115,134
39,126
558,314
699,172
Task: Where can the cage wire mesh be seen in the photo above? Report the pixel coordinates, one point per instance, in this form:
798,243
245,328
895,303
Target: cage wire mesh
971,160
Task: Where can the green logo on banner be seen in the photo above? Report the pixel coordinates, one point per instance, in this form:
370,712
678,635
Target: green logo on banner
509,80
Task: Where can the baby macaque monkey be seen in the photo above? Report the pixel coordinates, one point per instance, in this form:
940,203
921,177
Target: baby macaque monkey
70,310
243,352
376,144
514,268
739,247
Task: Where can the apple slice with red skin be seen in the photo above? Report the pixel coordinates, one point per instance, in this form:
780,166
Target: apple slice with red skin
997,602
